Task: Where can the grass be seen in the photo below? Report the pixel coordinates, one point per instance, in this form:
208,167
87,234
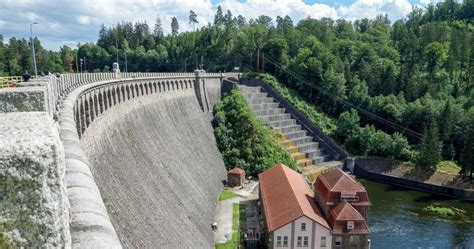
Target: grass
448,167
226,194
235,241
444,211
242,213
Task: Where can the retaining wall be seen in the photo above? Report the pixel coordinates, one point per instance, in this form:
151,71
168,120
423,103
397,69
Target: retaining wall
360,171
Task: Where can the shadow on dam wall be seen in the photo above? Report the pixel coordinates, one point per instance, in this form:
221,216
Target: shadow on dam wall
158,169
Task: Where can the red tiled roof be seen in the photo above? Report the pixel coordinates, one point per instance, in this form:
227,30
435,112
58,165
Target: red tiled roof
339,181
286,197
237,171
344,212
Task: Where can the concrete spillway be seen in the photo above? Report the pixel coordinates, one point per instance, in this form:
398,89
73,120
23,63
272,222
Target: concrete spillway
158,169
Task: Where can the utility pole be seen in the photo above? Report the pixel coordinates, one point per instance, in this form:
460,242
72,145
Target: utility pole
33,46
116,43
85,67
77,64
185,60
258,60
126,63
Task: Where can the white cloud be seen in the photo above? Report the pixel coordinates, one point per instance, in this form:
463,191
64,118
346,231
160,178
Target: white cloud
395,9
30,16
87,15
84,20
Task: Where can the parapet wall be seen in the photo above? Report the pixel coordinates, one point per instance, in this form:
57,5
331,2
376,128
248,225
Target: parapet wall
34,209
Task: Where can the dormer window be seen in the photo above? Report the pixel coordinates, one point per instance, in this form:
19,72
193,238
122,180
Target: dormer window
349,198
350,225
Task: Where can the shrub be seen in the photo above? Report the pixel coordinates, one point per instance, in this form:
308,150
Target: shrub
242,138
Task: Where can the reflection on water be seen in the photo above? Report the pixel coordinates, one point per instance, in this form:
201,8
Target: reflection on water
397,219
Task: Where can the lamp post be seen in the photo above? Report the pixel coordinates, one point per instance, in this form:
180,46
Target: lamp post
33,46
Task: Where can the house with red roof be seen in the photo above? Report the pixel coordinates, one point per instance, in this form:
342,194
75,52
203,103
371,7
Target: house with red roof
345,204
290,215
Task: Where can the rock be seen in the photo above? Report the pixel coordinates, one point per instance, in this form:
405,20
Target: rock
34,209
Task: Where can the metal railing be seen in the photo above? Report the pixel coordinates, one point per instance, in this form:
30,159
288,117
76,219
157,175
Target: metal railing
10,81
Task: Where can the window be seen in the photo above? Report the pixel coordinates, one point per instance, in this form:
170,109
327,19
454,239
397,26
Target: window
298,242
278,240
337,242
303,226
285,240
354,239
305,241
323,241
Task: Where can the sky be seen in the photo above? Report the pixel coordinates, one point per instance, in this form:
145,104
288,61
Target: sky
68,22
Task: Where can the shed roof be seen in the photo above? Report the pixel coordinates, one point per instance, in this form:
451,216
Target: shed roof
286,197
237,171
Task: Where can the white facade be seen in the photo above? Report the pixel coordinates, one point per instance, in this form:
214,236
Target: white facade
307,230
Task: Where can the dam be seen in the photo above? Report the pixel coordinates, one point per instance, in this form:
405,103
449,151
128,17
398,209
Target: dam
142,169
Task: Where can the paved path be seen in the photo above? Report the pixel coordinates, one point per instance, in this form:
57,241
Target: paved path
223,219
223,216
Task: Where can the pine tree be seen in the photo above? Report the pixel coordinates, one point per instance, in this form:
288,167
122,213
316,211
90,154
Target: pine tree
158,30
430,154
446,125
467,154
219,17
174,26
193,19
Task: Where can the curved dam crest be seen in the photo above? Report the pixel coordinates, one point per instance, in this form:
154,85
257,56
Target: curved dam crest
158,169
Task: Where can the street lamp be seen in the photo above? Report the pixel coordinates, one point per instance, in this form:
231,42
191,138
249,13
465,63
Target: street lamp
33,46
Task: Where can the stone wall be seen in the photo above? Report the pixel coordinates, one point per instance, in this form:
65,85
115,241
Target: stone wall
33,203
23,99
157,166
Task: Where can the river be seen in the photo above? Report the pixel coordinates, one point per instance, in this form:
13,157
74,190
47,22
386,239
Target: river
397,219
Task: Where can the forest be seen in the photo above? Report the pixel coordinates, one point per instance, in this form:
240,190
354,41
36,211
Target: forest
411,79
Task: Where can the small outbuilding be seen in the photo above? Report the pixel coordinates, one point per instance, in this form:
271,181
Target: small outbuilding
236,177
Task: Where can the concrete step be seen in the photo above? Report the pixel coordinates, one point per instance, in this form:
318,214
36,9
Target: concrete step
268,112
286,143
261,100
255,95
276,124
314,152
277,117
304,162
292,149
287,129
295,134
298,155
302,140
265,106
308,146
250,89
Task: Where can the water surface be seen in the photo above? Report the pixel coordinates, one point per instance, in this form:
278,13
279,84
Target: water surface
397,219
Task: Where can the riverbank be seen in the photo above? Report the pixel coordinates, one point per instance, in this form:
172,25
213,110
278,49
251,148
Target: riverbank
444,181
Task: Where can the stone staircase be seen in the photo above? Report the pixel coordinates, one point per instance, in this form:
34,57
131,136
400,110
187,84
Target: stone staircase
311,157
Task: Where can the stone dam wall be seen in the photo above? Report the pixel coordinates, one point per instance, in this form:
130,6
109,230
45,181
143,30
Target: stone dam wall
158,169
146,173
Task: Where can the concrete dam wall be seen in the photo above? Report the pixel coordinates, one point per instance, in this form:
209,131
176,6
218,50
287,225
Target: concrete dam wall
158,169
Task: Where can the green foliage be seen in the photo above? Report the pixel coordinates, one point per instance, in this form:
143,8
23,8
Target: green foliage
430,154
369,141
310,111
467,157
445,211
243,140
